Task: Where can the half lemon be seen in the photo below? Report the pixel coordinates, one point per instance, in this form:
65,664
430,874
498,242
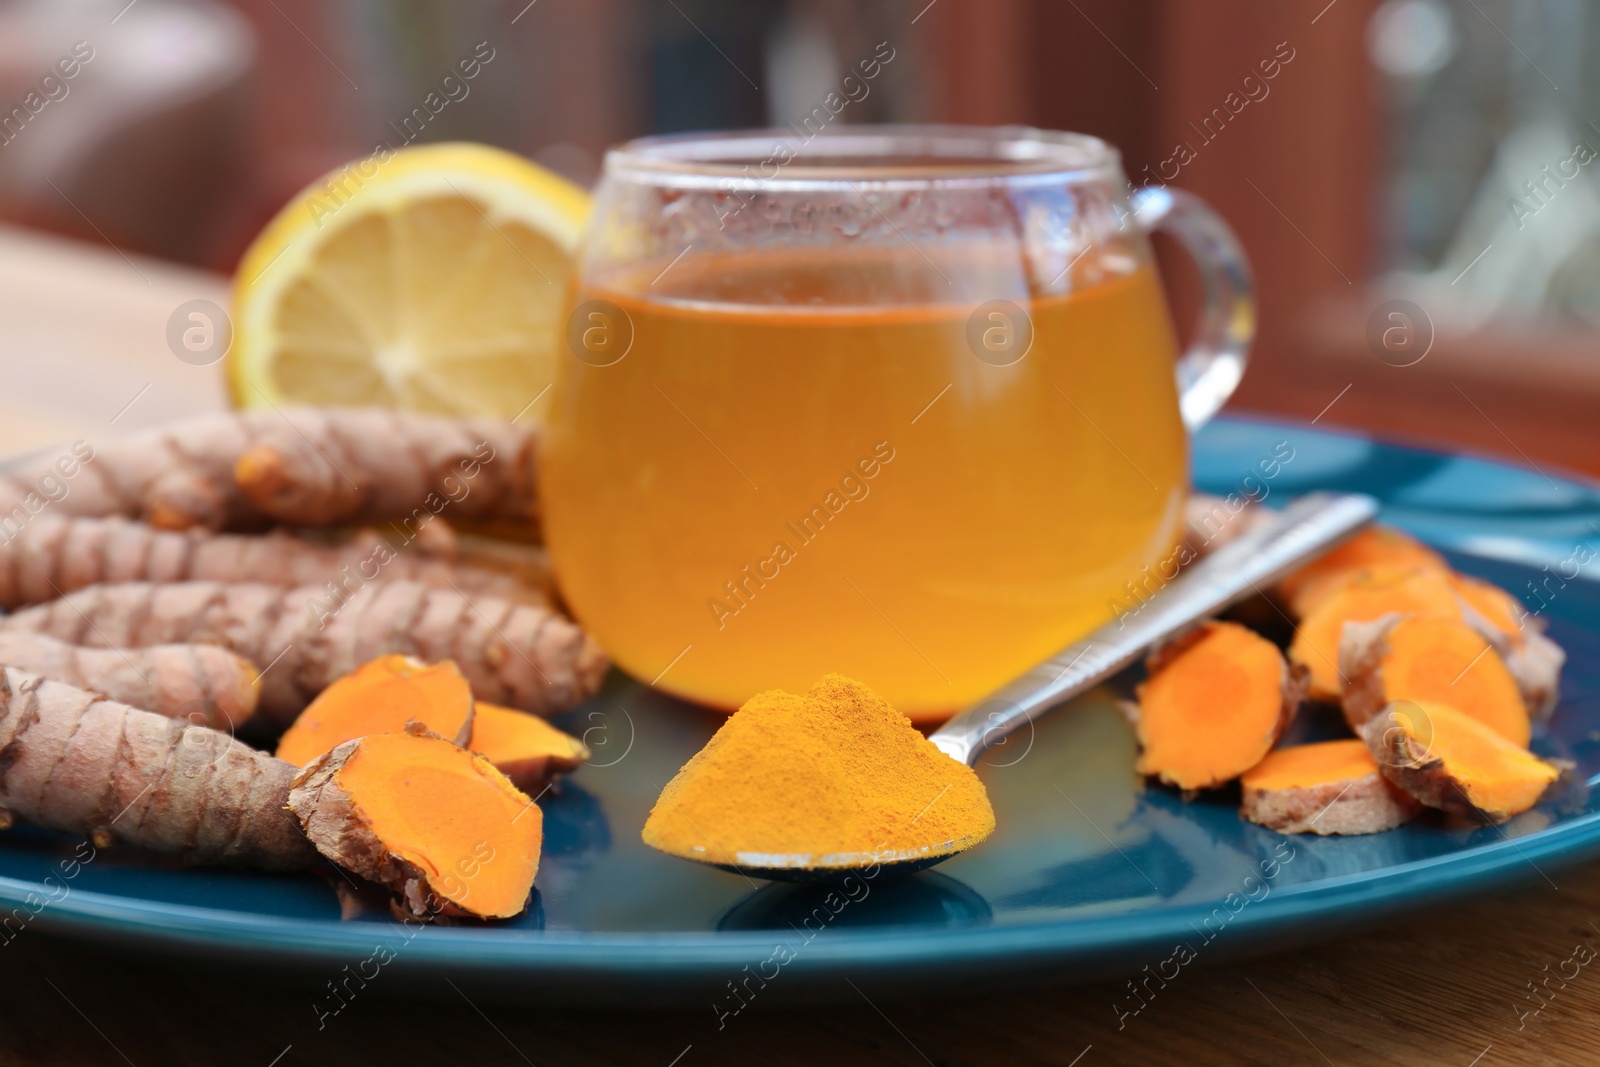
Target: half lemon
431,278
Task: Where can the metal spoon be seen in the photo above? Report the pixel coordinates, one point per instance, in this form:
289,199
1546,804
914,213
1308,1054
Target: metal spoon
1306,529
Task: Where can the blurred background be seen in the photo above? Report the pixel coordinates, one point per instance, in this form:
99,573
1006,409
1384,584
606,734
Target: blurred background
1435,152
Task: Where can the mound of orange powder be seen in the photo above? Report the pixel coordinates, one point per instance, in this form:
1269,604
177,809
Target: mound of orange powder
836,771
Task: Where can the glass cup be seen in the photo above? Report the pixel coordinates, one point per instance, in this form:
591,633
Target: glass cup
900,403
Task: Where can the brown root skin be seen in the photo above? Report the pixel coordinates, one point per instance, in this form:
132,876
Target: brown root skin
515,654
524,747
202,684
308,465
1333,798
347,821
343,465
1537,669
57,554
1534,660
1367,805
385,695
1495,607
1173,760
1361,650
1209,523
1416,748
1478,681
75,763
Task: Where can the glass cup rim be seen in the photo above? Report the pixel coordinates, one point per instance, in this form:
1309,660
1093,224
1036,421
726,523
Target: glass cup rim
948,155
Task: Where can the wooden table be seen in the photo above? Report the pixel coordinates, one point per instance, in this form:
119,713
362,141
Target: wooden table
83,336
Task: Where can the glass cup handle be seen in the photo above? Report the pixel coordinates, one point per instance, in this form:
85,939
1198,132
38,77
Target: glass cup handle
1209,370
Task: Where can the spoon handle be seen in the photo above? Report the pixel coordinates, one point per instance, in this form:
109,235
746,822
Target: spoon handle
1307,528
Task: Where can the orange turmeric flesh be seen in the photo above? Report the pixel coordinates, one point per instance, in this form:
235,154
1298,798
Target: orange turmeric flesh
380,697
1380,550
524,747
1214,705
1315,764
1331,787
1316,642
1498,608
1448,760
834,778
1431,660
433,822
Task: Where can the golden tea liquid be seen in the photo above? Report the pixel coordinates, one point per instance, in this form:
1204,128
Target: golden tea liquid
801,467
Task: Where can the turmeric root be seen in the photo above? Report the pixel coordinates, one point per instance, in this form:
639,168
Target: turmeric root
1536,665
1534,660
1331,787
436,824
1378,551
57,554
1362,599
1451,761
524,747
513,654
77,763
1494,605
381,697
1429,660
307,466
1209,522
202,684
1216,701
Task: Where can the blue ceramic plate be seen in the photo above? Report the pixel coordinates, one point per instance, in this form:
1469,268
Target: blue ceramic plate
1091,874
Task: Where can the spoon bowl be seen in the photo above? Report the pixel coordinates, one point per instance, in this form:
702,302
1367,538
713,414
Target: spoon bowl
835,866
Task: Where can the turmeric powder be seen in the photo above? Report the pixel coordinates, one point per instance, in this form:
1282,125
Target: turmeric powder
804,781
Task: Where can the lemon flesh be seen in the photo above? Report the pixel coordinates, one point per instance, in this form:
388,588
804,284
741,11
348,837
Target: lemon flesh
430,279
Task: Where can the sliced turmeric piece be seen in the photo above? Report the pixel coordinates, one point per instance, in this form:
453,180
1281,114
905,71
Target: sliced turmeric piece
1496,607
380,697
1216,701
1429,660
1209,522
1534,660
1362,599
1377,550
1331,787
1536,665
1448,760
436,824
524,747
